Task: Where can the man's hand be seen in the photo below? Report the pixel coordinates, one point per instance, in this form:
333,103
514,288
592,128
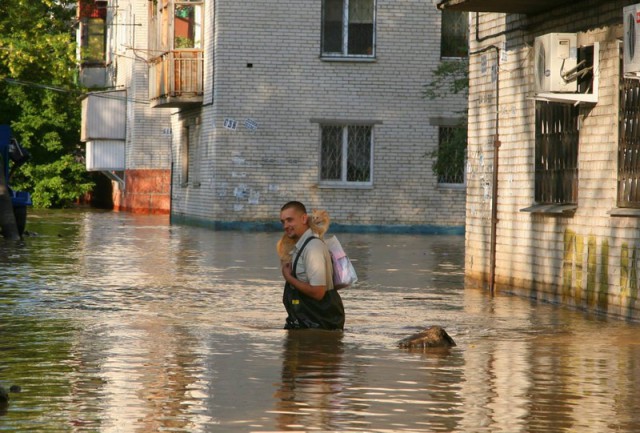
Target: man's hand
287,271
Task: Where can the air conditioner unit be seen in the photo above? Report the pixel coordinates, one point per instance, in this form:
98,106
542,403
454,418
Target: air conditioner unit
631,20
556,54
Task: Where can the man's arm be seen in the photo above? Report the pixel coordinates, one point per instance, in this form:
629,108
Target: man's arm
315,292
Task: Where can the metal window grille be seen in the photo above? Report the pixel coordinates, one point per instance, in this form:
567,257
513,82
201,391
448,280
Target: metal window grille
331,158
451,154
629,144
556,156
346,153
454,36
348,27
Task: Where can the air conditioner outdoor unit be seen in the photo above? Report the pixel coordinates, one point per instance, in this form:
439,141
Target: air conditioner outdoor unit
556,55
631,20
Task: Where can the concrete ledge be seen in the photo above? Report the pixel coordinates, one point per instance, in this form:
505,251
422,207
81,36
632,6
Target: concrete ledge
552,209
624,212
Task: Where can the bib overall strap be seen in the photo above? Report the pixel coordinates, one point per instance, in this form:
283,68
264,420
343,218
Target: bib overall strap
295,262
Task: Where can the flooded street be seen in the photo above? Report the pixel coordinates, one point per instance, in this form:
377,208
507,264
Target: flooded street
112,322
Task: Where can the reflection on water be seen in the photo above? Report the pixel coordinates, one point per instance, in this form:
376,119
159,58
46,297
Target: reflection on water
119,323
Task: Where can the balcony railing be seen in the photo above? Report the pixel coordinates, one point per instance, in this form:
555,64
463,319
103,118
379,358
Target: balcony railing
176,79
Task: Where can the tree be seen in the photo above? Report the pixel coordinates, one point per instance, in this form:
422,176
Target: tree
451,77
39,97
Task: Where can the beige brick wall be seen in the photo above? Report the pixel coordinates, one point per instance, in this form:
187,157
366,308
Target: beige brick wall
585,259
247,175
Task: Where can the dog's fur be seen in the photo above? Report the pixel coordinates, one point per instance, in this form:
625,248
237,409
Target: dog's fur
318,222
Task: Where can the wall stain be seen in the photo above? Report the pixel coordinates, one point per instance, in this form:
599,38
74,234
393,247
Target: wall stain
603,293
567,264
596,293
624,270
579,285
591,270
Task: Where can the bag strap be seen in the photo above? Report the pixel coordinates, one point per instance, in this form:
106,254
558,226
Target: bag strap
295,262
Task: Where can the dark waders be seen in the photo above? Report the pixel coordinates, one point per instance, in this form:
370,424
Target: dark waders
306,312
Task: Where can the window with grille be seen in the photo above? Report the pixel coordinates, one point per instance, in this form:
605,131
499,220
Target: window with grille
629,144
556,155
348,28
454,34
346,155
451,154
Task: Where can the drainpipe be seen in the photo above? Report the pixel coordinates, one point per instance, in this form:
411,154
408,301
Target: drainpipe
496,160
494,35
494,187
494,190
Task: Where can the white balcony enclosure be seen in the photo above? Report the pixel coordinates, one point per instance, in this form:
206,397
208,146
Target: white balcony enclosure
105,155
104,130
104,116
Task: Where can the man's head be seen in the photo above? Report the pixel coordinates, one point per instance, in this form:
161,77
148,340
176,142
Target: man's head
294,219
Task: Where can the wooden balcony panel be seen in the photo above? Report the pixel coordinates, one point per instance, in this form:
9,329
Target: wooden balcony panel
176,79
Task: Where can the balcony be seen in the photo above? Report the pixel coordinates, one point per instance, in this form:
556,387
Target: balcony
176,79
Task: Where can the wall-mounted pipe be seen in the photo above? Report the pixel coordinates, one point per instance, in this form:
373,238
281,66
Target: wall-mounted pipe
494,35
496,160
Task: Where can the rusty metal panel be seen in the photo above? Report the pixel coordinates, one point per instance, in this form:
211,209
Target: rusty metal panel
556,155
104,116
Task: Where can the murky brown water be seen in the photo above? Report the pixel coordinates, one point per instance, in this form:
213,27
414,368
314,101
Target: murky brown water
120,323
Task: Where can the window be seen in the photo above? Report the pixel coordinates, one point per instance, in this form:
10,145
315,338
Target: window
184,156
629,144
187,25
93,41
176,25
348,28
450,155
454,34
190,155
556,156
346,154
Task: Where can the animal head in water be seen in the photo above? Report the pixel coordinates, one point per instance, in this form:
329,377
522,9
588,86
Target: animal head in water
434,336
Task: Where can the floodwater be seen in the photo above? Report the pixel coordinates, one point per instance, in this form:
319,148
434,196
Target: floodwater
112,322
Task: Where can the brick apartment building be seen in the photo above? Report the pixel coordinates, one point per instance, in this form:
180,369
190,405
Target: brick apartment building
246,105
552,203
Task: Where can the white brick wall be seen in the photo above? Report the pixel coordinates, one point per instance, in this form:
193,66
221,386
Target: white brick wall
287,87
574,260
147,147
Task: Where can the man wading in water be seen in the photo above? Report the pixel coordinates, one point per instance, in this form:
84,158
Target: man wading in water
309,296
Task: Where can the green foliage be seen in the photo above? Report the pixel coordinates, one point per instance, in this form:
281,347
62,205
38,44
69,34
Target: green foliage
39,97
451,77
